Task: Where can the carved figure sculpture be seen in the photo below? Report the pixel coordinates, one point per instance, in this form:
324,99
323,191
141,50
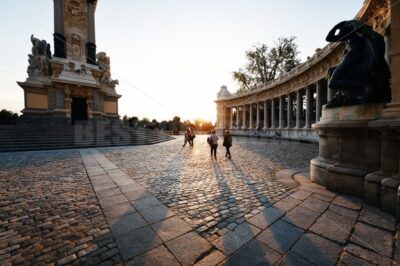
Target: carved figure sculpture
39,59
363,75
105,76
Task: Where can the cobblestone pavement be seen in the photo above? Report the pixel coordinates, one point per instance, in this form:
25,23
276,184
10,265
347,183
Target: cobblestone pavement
49,212
214,196
171,205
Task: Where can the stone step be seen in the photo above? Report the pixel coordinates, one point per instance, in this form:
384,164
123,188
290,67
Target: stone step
60,147
87,137
24,138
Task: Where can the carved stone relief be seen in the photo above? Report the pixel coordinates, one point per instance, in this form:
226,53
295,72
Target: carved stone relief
75,13
76,44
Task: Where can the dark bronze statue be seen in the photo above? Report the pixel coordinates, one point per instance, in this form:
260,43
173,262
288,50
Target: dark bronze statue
363,75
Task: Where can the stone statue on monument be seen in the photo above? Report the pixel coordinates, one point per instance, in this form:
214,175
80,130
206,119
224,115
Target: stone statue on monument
363,74
39,59
105,76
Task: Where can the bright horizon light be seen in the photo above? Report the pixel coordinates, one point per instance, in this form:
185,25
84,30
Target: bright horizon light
170,57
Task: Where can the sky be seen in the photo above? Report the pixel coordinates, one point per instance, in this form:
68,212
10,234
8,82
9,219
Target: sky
170,56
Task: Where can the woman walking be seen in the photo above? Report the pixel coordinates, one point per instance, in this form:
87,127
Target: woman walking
213,141
227,143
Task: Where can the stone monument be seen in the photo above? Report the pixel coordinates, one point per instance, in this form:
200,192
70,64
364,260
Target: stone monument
363,74
349,147
75,83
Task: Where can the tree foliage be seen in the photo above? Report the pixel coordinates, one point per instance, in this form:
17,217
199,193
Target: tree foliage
175,124
8,117
267,63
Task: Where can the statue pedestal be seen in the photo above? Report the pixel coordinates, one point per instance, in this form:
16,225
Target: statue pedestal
348,148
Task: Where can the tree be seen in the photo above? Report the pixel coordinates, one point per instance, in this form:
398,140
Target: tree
265,64
144,122
8,117
187,124
176,121
133,121
164,125
154,124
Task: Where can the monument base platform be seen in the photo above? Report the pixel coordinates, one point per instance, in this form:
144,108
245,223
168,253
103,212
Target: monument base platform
349,149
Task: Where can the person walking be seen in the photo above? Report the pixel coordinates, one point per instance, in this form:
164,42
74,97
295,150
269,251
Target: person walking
227,143
191,137
188,135
213,141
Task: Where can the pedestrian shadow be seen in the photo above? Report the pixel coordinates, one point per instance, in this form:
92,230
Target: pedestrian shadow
231,242
253,251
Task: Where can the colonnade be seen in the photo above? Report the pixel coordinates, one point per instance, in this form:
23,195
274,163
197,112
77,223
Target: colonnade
297,109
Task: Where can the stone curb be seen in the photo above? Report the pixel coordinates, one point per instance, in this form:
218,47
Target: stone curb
292,178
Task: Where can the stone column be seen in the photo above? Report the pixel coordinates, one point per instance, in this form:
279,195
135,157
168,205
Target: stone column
244,117
308,108
272,113
91,41
231,118
289,110
220,115
329,93
393,110
237,117
258,116
299,108
318,107
251,116
280,112
388,41
265,115
59,38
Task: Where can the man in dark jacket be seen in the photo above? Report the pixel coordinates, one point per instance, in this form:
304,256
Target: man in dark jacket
227,143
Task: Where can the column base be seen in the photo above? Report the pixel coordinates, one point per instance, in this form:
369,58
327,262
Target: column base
347,179
318,168
372,188
389,192
392,111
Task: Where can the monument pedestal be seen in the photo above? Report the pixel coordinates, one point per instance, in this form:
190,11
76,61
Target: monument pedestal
381,187
348,148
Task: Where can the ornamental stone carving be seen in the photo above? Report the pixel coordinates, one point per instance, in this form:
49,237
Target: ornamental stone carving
39,59
76,13
105,70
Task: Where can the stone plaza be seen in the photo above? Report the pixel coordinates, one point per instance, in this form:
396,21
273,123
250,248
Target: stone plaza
168,205
314,177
